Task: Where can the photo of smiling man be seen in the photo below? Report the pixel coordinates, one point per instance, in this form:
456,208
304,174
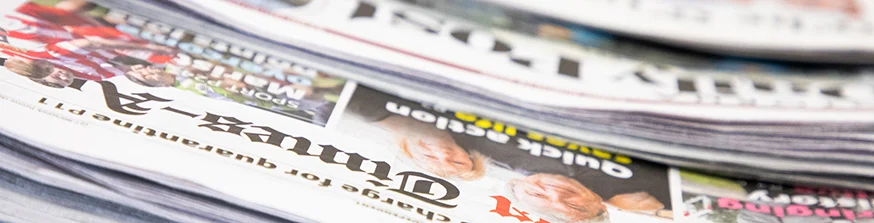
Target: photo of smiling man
591,189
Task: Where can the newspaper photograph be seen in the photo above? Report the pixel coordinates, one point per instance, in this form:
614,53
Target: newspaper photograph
713,199
560,180
54,46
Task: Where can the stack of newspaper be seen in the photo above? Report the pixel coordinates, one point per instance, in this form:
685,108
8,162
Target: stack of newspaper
808,123
436,111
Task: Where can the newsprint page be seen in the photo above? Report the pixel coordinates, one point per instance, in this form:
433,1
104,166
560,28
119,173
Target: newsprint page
153,100
121,91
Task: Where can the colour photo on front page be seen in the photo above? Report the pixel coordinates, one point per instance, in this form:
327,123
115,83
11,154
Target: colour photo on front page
550,178
53,42
720,200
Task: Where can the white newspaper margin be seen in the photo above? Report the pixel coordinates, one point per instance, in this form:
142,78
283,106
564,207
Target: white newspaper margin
676,188
342,102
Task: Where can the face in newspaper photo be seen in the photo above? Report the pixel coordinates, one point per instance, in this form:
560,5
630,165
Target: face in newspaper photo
53,42
719,200
558,180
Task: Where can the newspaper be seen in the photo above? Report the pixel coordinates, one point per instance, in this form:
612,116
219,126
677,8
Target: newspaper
456,54
25,201
821,31
47,182
714,199
136,128
140,122
770,158
608,43
730,135
137,192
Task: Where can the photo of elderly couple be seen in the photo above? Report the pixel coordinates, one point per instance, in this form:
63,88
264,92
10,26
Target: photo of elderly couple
545,187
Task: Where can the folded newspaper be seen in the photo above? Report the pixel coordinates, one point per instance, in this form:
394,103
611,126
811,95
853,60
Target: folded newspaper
832,31
146,121
132,103
768,126
609,43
